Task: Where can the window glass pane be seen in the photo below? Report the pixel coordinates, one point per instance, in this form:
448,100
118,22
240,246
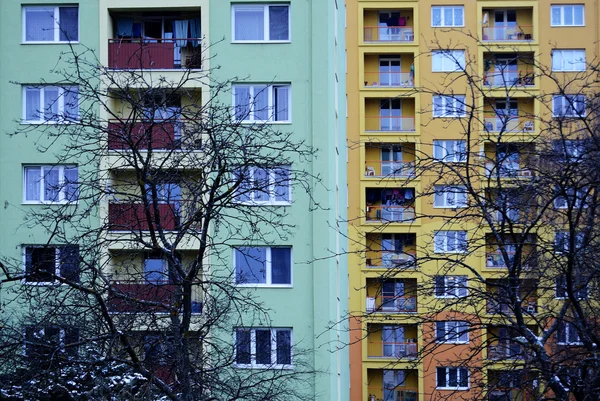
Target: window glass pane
32,104
43,264
249,22
242,103
261,103
437,60
68,23
452,377
281,266
32,183
154,270
51,184
250,265
70,185
436,16
71,99
284,347
458,16
51,101
441,377
261,185
578,15
242,347
464,377
69,262
447,16
282,184
278,23
281,103
263,347
556,15
39,24
568,15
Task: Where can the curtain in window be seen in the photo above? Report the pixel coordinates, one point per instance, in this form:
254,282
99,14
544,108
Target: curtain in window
51,184
32,104
39,24
51,103
32,183
69,17
282,184
261,103
261,185
181,32
249,23
195,31
279,23
281,94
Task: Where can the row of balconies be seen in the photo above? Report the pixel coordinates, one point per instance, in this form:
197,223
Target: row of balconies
397,25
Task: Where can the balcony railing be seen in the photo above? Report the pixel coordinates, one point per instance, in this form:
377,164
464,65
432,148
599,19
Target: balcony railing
508,78
394,394
389,79
391,304
397,350
391,259
507,170
389,34
133,217
390,124
509,33
392,214
512,215
508,124
144,135
153,54
390,168
505,350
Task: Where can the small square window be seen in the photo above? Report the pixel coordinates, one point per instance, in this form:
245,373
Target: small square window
447,60
567,15
447,16
50,184
50,24
449,106
263,265
261,22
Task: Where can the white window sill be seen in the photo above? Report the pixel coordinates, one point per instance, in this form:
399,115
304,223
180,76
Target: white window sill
25,122
449,296
264,203
48,42
264,285
248,122
452,342
447,26
259,41
48,203
453,388
42,283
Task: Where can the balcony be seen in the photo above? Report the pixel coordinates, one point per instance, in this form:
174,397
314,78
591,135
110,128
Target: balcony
390,251
393,393
389,26
505,349
509,79
508,124
391,296
390,160
390,123
499,296
495,257
394,205
140,296
390,115
392,341
508,25
396,79
146,39
392,169
144,135
135,217
509,160
392,384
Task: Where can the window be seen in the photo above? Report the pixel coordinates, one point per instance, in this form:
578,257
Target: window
562,242
450,241
263,265
450,286
580,289
567,15
258,22
568,60
453,378
392,380
447,60
155,268
450,151
50,184
446,16
50,23
570,150
453,196
262,103
569,197
43,263
452,332
568,105
166,192
449,106
264,186
44,343
567,334
50,104
263,347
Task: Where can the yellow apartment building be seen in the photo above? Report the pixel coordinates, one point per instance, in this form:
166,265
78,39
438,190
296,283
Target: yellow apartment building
415,71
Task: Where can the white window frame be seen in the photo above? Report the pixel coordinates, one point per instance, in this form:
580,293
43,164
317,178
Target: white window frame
569,330
443,23
449,196
454,332
573,197
62,335
56,15
61,117
459,372
568,60
41,183
561,289
57,263
453,287
273,184
266,31
449,60
569,107
253,363
253,89
449,241
268,266
448,106
453,150
561,9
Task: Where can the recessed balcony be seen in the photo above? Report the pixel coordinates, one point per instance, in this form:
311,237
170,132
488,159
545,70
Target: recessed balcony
392,384
392,341
390,205
499,298
389,115
509,160
389,71
390,160
391,251
388,26
507,25
391,296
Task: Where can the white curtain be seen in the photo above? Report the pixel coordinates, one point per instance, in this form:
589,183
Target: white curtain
71,99
32,104
51,103
181,32
51,184
32,183
70,185
241,96
249,23
281,94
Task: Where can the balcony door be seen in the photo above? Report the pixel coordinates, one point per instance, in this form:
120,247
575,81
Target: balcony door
392,338
507,156
390,111
507,72
392,379
391,160
155,268
505,24
389,71
507,112
388,26
392,292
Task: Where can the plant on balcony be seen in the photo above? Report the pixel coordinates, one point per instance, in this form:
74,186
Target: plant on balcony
170,180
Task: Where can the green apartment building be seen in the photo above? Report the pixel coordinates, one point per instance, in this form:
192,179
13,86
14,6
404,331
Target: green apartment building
106,184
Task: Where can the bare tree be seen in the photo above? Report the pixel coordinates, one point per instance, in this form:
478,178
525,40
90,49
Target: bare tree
133,294
506,282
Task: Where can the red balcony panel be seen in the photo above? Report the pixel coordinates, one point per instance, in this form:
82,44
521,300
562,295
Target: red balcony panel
135,296
132,55
141,136
132,216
